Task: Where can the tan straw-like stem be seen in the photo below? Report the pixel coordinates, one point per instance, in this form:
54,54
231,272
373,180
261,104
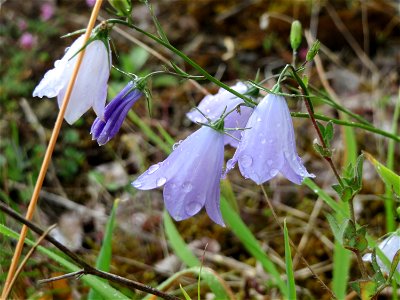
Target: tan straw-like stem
49,152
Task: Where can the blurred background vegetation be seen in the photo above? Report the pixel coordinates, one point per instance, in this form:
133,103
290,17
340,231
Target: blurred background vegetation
231,40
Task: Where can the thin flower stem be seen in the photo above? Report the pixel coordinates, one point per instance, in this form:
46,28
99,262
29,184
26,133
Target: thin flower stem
360,262
310,111
87,269
185,58
49,151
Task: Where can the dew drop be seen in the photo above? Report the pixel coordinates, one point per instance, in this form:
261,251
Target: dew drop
263,141
193,208
187,187
269,162
245,161
177,218
136,184
258,119
273,172
153,168
270,141
160,181
176,145
316,191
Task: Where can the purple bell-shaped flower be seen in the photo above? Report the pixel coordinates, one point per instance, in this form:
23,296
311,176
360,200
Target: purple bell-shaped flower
268,147
191,175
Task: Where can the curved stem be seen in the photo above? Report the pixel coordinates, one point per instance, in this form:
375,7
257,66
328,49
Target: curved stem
392,136
186,59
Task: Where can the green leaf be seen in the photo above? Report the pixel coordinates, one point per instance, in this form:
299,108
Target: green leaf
393,266
185,294
103,288
177,243
216,284
104,260
233,220
388,176
328,133
289,265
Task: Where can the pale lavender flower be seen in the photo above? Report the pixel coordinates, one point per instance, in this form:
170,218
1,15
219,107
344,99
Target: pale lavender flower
268,146
46,11
115,112
27,41
389,247
90,89
90,3
191,175
214,105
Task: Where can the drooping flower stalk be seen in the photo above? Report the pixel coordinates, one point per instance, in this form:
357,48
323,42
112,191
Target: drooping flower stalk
268,147
190,176
115,113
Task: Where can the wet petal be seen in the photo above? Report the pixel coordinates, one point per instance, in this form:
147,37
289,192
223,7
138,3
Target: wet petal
191,175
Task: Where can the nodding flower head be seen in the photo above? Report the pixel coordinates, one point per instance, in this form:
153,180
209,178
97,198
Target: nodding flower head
190,176
212,106
115,113
268,147
90,89
389,246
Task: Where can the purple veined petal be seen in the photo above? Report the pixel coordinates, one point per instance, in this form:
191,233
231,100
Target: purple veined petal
90,89
191,175
214,105
268,147
237,120
115,113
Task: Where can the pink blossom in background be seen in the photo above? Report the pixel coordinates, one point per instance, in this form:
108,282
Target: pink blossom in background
22,25
90,3
46,11
27,41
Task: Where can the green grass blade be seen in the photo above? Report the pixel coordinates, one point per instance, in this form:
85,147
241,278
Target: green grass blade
389,197
388,176
104,260
177,243
102,288
146,129
215,283
248,240
334,205
289,265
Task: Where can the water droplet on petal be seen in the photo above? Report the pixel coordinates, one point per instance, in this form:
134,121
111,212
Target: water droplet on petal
259,120
273,172
153,168
193,208
187,187
245,161
263,141
136,184
177,218
160,181
278,125
176,145
269,162
270,141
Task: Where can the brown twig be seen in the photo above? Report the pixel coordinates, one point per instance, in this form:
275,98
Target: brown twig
49,151
87,269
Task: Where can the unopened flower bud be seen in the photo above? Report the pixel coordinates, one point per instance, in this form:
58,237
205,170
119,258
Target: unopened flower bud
313,51
295,35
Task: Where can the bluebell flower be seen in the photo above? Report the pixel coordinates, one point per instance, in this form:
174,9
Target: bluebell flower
268,147
115,113
214,105
389,247
190,175
90,89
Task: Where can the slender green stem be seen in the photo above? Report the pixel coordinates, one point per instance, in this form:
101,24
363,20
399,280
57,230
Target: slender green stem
186,59
375,130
